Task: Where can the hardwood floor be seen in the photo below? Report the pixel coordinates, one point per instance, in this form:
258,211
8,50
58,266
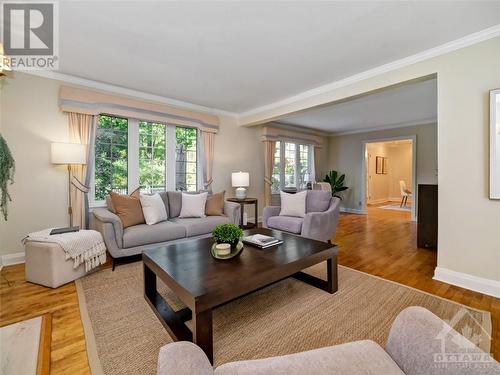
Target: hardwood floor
381,243
20,300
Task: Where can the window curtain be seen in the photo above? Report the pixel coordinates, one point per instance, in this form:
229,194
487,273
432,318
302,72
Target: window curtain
208,139
82,129
317,156
269,149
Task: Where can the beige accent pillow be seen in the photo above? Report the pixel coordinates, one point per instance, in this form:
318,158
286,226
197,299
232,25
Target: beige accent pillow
215,204
128,208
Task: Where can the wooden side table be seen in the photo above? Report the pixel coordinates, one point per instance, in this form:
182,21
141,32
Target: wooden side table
242,203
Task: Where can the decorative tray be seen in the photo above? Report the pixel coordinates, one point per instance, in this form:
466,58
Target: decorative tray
234,252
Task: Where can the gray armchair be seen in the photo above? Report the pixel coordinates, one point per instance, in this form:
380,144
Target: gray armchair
411,349
320,222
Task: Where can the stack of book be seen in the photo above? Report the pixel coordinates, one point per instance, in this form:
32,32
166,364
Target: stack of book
261,241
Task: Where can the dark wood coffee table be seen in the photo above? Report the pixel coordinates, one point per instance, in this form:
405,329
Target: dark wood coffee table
202,283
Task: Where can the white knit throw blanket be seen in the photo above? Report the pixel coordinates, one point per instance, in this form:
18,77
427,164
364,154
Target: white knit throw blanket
84,246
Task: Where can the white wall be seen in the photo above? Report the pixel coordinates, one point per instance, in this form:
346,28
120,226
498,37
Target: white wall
378,185
400,168
346,156
31,120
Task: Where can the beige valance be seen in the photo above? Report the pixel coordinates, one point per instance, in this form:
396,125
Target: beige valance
78,100
274,133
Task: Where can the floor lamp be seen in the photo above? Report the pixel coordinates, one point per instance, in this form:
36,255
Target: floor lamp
69,154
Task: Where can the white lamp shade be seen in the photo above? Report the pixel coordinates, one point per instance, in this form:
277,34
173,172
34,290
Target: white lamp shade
67,153
240,179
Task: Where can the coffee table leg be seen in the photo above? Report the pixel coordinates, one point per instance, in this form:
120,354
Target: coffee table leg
332,274
149,283
329,285
202,332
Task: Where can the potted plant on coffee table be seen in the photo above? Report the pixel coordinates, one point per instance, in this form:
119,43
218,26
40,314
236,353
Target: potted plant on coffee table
227,240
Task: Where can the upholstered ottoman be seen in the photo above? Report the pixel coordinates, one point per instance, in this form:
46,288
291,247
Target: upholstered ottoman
46,265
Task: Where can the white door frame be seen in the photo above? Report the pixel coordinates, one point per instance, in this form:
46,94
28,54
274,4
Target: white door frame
413,138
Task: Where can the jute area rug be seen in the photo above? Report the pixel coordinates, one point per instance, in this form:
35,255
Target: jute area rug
124,336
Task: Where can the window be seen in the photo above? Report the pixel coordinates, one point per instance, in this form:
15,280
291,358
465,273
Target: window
185,159
111,154
275,179
155,156
152,157
292,166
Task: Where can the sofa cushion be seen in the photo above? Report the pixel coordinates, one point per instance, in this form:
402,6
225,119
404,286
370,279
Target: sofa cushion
359,357
153,209
318,201
128,208
198,226
174,203
193,205
144,234
164,198
215,204
286,223
293,204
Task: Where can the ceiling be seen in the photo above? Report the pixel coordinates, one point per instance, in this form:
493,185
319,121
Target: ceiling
405,105
237,56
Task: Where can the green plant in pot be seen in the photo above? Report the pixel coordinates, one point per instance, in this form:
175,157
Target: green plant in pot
227,233
336,182
7,169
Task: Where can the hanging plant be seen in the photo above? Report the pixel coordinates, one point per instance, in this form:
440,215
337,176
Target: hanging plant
7,169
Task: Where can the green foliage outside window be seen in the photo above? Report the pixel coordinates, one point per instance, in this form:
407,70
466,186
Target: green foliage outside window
111,153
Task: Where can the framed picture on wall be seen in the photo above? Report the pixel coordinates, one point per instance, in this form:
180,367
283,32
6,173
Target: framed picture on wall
385,167
379,165
495,144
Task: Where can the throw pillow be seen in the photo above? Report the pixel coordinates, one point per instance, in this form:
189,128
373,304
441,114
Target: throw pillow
153,208
128,208
215,204
293,204
193,205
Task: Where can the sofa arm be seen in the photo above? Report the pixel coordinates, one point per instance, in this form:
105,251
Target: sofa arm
268,212
418,339
322,226
113,232
232,210
183,358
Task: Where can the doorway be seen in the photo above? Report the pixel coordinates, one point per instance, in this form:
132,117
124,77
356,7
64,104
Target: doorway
389,174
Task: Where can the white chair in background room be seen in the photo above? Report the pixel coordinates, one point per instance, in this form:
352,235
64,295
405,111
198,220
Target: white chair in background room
405,193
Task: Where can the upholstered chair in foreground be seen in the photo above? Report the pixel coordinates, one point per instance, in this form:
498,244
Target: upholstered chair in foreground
416,346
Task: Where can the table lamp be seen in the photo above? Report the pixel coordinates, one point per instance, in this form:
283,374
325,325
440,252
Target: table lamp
240,180
69,154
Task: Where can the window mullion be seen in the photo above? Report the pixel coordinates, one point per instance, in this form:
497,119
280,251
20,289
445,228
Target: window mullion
170,157
133,155
297,165
282,165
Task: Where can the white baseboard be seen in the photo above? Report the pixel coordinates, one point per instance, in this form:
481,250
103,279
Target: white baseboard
11,259
352,210
475,283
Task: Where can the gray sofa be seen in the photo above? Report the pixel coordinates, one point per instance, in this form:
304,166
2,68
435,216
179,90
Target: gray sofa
123,242
320,222
415,346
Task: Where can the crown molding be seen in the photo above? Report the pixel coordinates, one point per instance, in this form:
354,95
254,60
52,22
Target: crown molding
454,45
431,121
67,78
